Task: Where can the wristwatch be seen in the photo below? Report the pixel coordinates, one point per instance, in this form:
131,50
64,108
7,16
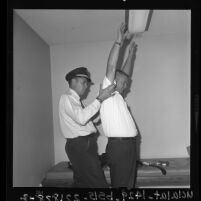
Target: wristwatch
118,43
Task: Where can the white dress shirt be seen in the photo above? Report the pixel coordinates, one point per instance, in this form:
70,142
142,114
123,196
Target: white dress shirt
115,116
74,119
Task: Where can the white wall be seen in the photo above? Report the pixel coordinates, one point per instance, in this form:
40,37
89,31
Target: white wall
160,93
33,149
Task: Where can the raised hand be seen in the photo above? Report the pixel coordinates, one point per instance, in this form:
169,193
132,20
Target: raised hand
128,35
106,93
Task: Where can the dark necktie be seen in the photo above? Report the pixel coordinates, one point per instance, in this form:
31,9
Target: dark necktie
81,104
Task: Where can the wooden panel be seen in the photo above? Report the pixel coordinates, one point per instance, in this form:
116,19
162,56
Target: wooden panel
178,174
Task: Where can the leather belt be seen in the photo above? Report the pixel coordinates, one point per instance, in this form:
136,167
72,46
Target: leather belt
121,138
85,136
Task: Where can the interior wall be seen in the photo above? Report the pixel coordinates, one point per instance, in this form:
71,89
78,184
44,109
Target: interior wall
33,147
159,97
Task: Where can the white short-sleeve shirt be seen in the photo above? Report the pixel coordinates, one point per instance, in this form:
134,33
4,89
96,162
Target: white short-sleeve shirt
74,119
115,116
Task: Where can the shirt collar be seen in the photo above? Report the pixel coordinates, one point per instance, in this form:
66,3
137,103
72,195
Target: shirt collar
74,94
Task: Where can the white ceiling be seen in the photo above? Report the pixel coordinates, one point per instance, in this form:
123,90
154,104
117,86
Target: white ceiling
58,27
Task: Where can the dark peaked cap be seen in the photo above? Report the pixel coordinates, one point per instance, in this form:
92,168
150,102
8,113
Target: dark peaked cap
78,72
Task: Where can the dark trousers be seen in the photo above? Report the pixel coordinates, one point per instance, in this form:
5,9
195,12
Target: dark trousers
121,156
82,153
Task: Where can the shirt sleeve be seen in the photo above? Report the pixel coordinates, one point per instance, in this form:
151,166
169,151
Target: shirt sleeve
79,114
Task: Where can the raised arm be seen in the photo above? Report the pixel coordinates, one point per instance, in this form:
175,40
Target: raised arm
114,53
129,63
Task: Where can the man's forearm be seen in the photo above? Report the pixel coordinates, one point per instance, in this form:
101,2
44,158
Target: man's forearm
114,53
129,63
112,60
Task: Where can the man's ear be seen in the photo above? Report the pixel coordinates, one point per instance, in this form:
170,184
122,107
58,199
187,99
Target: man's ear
73,82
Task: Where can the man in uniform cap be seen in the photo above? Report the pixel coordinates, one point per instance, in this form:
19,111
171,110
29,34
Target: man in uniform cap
79,130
